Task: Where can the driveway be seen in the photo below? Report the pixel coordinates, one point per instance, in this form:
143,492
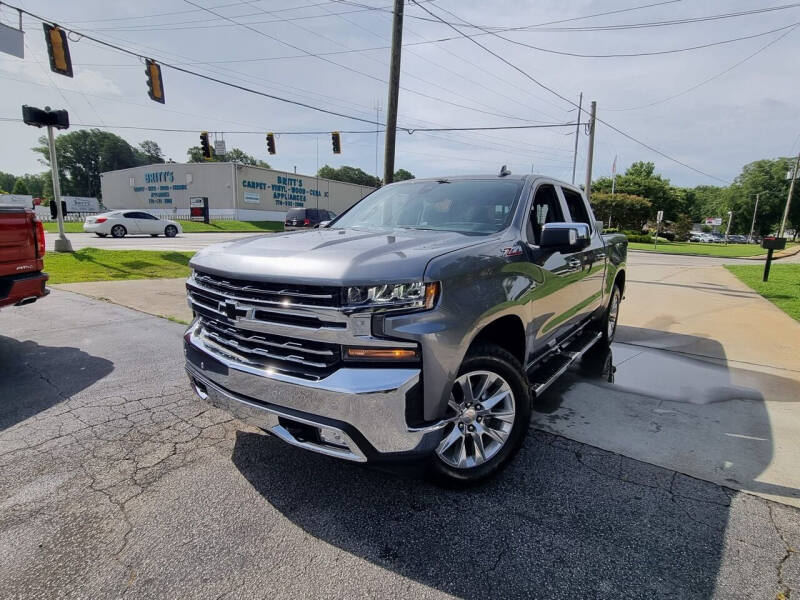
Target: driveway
115,480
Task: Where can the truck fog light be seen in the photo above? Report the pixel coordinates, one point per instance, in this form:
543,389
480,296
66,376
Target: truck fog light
332,436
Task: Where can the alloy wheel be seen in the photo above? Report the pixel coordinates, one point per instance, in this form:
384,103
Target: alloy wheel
481,415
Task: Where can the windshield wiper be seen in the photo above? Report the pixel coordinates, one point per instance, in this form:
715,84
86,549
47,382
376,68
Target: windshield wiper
443,181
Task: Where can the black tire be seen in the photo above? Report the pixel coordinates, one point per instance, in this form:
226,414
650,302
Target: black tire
170,231
608,323
101,234
496,360
118,231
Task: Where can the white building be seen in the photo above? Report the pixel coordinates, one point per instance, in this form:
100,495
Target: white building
235,191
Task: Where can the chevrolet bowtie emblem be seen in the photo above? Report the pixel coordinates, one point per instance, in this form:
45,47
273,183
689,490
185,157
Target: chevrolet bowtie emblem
229,308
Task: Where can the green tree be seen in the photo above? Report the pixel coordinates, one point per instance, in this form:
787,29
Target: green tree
86,153
20,187
152,152
234,155
682,227
7,181
402,175
348,174
640,179
624,211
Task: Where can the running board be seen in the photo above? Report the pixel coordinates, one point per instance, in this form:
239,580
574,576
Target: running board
543,376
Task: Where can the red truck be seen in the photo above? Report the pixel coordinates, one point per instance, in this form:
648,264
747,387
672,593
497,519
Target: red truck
22,279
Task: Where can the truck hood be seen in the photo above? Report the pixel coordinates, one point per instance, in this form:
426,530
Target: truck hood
331,256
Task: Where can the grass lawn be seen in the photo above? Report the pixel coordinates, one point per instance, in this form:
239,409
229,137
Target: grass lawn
782,289
193,226
230,226
68,227
92,264
729,251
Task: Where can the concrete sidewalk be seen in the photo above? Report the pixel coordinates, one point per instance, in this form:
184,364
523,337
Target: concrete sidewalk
159,297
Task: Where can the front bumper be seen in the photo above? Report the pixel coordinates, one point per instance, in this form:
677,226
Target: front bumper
364,409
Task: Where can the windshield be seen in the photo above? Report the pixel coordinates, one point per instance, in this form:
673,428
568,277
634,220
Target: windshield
476,206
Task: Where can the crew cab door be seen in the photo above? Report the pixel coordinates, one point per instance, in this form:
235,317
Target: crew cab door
589,286
555,302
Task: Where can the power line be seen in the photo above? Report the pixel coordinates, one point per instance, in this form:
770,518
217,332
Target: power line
262,131
351,69
710,79
651,53
564,98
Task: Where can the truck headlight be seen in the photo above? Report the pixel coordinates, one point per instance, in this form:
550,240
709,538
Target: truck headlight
399,296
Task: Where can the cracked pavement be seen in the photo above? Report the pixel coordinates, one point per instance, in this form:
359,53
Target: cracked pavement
116,482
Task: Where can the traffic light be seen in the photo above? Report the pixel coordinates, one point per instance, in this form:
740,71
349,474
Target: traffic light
337,142
45,118
271,143
155,85
57,49
204,145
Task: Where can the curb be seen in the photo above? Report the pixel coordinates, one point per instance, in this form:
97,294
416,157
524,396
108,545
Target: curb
759,257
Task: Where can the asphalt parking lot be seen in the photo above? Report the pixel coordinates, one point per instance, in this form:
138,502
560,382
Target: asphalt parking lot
115,480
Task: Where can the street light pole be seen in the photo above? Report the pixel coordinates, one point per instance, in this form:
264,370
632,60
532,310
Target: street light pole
753,224
728,229
62,244
789,199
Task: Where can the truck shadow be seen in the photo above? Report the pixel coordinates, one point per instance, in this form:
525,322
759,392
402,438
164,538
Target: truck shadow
671,399
34,378
563,518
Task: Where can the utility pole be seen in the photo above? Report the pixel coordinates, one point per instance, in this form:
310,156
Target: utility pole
590,153
62,244
394,90
377,135
577,135
753,224
789,199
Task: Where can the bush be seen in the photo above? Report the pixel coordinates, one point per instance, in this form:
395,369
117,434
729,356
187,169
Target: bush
639,238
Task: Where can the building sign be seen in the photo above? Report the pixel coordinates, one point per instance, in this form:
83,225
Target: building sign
252,197
287,191
159,194
713,221
159,177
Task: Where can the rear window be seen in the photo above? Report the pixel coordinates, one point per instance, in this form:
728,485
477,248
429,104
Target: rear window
296,213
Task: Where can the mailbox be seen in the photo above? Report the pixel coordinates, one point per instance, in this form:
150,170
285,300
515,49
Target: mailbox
198,209
773,243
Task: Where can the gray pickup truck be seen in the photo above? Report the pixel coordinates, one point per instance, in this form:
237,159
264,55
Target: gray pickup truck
421,323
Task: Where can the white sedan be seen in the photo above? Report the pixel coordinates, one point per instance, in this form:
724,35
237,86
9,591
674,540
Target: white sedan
120,223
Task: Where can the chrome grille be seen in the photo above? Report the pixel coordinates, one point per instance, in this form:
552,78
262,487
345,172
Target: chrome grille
270,293
304,358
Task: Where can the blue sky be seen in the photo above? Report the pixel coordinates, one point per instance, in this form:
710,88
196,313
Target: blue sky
743,115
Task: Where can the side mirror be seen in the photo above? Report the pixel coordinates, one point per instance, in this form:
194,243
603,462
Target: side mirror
322,224
565,236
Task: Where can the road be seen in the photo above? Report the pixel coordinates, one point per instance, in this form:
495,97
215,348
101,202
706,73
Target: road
186,242
115,480
196,241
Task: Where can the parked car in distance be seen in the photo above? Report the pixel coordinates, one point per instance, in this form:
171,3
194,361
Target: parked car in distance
420,324
304,218
22,279
119,223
